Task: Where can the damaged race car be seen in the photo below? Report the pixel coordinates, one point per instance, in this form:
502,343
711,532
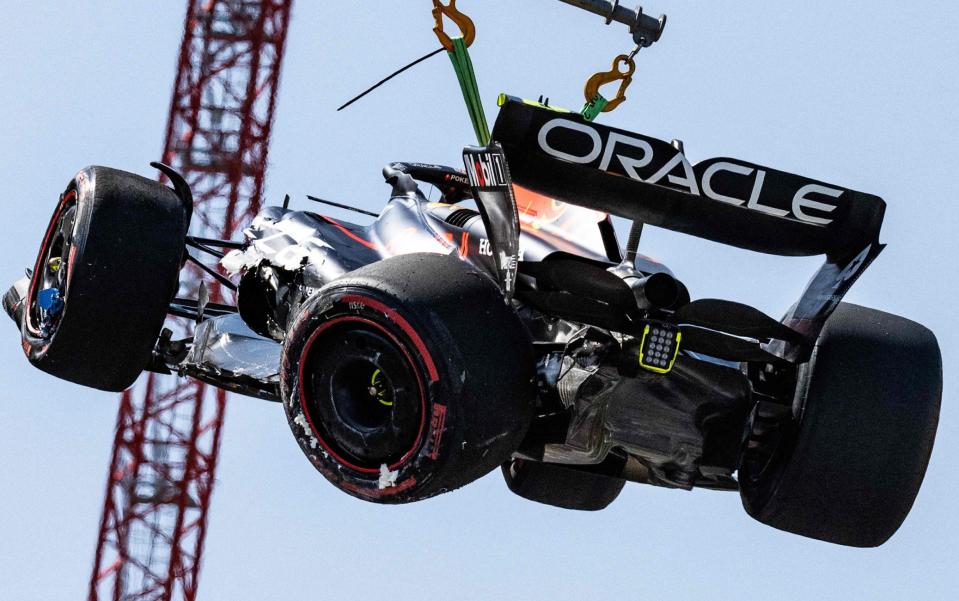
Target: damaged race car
505,326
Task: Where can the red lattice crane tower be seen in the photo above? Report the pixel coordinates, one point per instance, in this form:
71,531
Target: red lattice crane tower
168,431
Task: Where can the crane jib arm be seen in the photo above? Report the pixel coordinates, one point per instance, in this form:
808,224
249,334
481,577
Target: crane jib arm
730,201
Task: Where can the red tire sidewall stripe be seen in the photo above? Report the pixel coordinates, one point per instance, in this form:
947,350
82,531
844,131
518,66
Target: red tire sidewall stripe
424,355
404,325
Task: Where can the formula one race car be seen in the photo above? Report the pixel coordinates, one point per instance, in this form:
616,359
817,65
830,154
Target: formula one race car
507,326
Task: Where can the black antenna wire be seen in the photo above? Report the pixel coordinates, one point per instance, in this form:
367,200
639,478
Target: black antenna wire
392,75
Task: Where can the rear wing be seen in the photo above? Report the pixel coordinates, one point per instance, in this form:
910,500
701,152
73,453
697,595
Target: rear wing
725,200
561,155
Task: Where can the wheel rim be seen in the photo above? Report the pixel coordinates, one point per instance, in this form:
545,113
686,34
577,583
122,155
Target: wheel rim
363,394
51,273
769,430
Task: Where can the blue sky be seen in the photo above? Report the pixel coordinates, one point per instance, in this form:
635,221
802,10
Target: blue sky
861,94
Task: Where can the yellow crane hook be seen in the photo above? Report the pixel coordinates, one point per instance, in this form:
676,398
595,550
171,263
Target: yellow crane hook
622,71
465,24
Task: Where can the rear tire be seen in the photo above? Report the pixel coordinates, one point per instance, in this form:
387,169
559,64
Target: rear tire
408,378
112,253
561,486
853,451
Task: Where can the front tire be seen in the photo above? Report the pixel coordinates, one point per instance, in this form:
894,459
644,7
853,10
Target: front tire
104,277
851,454
408,378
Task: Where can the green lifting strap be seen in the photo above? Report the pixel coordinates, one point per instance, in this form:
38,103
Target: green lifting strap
463,66
594,107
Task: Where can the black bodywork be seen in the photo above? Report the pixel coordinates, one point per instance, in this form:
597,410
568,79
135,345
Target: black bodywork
532,212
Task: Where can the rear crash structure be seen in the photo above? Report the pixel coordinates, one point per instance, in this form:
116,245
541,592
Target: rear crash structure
506,326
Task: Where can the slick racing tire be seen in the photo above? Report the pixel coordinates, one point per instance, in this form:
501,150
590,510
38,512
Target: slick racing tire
561,486
103,279
844,465
408,378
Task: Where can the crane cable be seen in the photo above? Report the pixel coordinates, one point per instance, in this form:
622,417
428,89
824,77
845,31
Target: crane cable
457,49
391,76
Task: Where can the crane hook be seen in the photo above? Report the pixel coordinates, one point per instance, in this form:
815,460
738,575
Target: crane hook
617,73
465,24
